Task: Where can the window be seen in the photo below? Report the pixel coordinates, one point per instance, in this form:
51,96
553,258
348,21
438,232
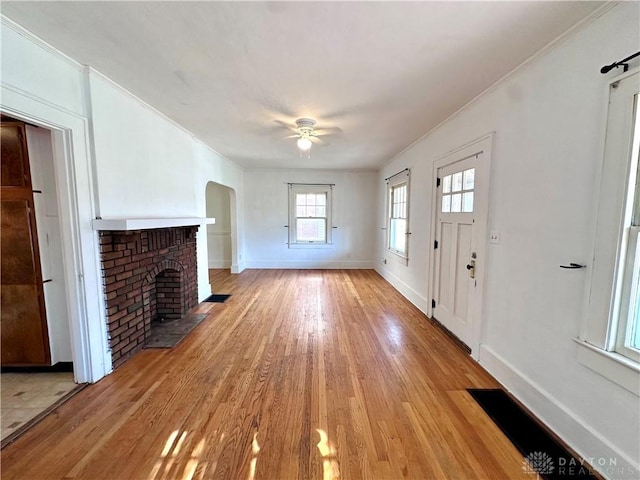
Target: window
628,322
398,220
457,192
309,214
610,341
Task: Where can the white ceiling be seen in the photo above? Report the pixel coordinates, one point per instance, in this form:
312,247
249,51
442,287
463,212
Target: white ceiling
384,73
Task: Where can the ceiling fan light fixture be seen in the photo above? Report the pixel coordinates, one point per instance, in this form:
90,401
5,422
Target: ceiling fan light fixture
304,143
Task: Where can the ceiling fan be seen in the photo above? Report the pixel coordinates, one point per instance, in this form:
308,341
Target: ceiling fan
307,134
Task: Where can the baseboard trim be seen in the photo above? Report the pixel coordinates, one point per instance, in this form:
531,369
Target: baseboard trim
238,268
324,265
219,263
572,430
406,291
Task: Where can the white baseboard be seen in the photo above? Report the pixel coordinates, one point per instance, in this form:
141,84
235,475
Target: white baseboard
238,268
330,265
409,293
571,429
219,263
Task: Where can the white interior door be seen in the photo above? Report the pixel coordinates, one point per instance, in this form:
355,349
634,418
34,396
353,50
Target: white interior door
459,246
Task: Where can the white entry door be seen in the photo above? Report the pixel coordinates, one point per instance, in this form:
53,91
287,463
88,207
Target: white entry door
459,245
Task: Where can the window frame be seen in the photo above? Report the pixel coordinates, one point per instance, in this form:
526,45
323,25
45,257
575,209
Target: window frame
601,340
394,182
303,189
629,254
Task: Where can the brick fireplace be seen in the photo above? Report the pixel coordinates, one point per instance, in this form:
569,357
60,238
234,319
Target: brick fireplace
148,275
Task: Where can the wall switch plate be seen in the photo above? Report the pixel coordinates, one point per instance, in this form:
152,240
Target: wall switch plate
494,237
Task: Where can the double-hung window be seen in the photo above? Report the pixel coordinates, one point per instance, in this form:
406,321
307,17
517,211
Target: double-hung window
627,300
611,339
310,214
398,213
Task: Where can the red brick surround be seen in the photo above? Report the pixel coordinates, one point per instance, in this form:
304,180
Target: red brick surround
146,273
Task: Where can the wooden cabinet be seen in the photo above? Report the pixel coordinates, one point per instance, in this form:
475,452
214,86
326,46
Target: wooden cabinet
24,334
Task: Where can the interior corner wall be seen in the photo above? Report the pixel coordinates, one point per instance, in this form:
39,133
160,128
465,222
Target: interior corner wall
210,166
548,118
267,206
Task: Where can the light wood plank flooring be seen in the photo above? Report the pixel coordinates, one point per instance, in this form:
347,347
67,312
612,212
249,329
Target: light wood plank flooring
300,374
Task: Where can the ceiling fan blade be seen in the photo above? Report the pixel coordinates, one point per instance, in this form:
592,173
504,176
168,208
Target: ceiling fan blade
292,136
285,125
327,131
317,140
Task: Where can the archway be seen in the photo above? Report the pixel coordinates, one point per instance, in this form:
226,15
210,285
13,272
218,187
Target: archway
221,236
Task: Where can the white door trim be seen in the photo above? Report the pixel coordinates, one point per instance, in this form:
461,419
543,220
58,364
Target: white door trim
72,162
482,145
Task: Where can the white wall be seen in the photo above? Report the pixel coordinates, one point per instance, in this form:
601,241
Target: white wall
219,233
266,210
24,62
144,164
39,145
548,119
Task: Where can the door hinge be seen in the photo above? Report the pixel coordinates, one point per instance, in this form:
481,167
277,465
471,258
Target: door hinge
437,182
433,303
435,244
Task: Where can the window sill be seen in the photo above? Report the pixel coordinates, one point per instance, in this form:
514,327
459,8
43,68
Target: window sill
311,245
398,257
613,366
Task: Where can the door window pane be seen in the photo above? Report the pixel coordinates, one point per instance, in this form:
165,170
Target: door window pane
456,202
457,182
468,179
446,203
446,184
467,202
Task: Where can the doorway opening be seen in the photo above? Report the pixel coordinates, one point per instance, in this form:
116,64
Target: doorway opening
222,246
219,235
37,356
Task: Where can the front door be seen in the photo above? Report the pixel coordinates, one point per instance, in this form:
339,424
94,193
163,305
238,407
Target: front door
459,246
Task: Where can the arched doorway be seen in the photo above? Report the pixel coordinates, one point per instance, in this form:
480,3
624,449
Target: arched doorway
221,236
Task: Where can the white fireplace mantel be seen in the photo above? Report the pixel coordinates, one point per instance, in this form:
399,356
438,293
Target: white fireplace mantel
124,224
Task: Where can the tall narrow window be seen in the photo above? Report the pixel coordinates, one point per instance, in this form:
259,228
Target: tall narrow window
398,219
309,214
610,340
628,332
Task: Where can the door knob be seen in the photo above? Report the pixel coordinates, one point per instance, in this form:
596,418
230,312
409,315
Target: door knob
472,268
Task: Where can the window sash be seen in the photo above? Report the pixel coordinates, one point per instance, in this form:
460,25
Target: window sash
625,316
628,334
398,216
310,215
397,234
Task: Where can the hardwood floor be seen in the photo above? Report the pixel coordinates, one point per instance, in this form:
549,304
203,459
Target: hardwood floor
300,374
